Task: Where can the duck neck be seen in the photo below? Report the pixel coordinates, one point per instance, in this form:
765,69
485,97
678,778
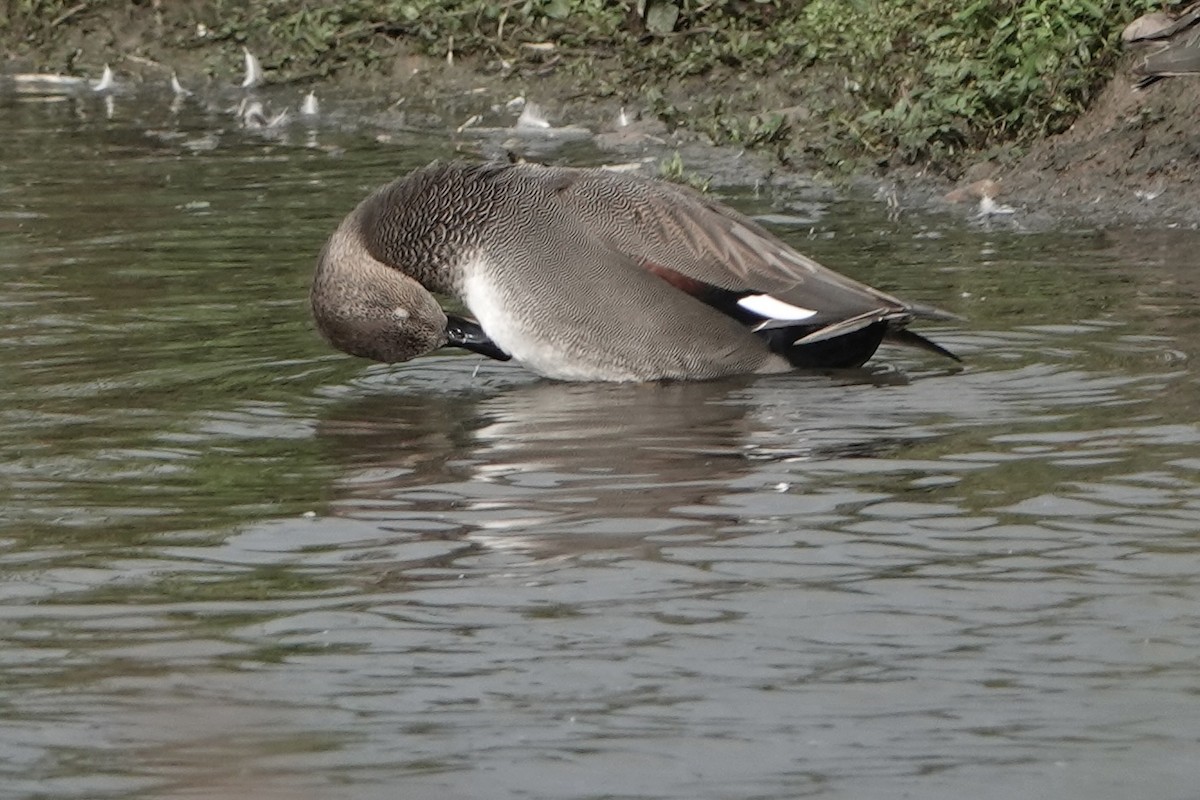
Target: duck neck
420,226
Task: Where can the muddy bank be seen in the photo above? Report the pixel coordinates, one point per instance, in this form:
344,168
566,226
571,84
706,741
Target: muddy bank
1133,156
1130,157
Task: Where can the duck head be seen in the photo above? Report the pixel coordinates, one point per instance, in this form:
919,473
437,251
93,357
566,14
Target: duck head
369,309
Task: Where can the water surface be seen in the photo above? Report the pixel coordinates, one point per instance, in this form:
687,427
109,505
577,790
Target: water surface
234,562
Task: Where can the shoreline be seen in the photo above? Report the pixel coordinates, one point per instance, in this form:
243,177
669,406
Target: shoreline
1128,159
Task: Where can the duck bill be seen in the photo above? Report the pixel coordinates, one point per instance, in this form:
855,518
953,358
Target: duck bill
467,334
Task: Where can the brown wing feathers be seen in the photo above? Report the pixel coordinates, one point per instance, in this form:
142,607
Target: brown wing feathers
720,256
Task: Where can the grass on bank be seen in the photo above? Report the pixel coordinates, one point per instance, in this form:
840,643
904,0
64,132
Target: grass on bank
848,82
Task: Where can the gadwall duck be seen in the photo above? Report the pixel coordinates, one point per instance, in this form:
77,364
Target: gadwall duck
589,274
1179,38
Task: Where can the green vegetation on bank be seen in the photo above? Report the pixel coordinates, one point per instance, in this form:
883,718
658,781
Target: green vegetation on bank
847,82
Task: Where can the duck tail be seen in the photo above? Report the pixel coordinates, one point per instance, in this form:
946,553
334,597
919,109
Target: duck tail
905,337
846,350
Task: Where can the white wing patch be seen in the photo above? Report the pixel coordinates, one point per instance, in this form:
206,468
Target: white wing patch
773,308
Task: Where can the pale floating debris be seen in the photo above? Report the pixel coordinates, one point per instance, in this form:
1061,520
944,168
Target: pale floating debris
515,104
784,220
532,118
552,134
893,205
254,72
177,87
531,124
254,117
540,47
310,107
201,30
309,515
51,87
977,190
629,130
107,81
1148,194
782,487
202,144
46,97
46,79
628,166
196,205
988,207
146,62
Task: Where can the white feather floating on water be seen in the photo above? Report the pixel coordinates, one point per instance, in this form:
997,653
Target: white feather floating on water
177,87
254,117
532,118
107,81
254,71
988,207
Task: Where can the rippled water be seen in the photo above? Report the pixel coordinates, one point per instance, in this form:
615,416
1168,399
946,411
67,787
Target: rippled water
235,563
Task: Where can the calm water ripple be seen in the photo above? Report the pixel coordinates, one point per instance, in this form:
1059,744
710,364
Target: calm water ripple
234,563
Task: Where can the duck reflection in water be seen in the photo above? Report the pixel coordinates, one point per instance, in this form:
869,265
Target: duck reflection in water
558,468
